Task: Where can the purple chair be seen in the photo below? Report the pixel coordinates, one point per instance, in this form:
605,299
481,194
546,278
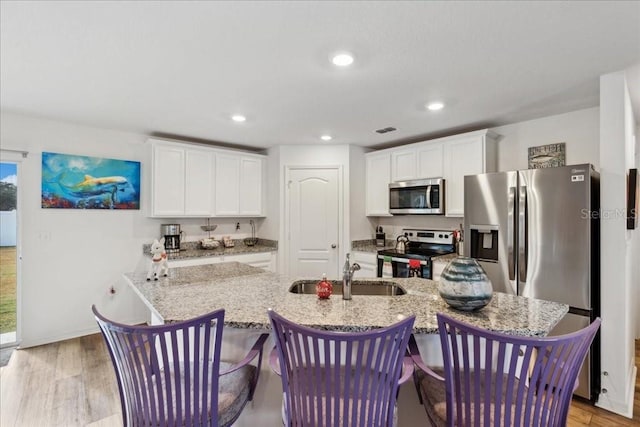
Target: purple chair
494,379
338,378
171,375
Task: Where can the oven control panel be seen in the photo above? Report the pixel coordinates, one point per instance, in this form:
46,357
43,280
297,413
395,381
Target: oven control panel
442,237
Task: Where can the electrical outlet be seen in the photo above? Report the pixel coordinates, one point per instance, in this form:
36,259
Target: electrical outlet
237,226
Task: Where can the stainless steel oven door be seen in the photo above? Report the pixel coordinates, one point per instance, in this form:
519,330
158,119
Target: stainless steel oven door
400,267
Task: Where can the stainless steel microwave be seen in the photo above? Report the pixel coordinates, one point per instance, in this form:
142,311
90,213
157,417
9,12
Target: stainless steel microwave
417,197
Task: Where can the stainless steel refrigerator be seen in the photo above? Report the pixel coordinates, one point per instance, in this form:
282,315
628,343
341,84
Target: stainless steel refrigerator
536,233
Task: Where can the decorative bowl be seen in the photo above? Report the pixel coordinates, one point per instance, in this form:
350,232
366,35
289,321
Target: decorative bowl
464,285
209,243
250,241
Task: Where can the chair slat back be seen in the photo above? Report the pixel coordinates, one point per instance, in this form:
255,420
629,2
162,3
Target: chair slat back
494,379
167,375
340,379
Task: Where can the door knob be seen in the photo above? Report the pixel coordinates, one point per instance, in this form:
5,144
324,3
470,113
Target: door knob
333,246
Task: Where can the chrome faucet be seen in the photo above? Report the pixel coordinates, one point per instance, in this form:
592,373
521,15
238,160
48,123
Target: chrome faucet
347,275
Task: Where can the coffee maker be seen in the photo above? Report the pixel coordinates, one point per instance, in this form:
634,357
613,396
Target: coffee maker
172,234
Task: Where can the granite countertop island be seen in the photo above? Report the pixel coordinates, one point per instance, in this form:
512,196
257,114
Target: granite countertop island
246,292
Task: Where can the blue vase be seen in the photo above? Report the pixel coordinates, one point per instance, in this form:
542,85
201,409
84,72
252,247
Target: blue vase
465,285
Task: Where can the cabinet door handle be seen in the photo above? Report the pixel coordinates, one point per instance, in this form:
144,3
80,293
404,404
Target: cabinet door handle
334,246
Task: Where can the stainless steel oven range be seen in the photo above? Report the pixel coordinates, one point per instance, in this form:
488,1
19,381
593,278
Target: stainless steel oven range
415,260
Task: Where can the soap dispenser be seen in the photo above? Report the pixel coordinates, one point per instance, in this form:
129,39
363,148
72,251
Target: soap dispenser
324,288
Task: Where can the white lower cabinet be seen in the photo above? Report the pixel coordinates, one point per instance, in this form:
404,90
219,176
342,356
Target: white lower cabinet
266,260
436,270
191,262
368,264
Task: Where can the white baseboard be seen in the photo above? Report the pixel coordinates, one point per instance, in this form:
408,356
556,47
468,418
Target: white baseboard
70,335
621,408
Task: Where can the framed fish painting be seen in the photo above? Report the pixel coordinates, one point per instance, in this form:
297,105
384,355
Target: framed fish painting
82,182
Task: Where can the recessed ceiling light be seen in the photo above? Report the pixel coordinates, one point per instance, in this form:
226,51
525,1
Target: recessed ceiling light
326,137
435,106
342,59
238,118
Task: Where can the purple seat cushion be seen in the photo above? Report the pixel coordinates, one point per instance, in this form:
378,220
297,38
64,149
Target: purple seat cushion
233,392
435,401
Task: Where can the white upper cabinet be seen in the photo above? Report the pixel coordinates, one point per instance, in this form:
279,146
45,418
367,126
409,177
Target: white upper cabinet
451,158
416,161
429,157
196,181
468,154
403,164
251,186
378,177
167,181
239,185
182,181
227,184
198,188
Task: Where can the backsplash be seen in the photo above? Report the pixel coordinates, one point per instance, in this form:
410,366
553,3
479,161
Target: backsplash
146,248
225,227
393,226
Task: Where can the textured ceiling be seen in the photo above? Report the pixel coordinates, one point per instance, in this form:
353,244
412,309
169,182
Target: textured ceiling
182,68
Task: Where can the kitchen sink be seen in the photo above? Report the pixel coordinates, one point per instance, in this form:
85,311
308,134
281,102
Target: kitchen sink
358,287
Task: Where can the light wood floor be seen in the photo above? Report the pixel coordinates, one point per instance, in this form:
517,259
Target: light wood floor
71,383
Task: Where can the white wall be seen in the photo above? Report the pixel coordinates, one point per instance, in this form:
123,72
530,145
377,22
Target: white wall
578,129
71,258
617,252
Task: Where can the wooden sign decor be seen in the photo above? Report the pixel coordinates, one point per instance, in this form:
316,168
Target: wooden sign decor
547,156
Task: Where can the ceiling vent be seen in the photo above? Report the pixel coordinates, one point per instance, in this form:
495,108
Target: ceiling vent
385,130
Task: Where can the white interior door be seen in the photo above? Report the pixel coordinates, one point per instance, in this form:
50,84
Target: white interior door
313,222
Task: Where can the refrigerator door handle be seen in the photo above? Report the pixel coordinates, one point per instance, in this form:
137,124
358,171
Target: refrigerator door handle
511,241
522,233
428,197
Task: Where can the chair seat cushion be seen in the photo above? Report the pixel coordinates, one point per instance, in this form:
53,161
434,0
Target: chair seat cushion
233,392
339,386
434,398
